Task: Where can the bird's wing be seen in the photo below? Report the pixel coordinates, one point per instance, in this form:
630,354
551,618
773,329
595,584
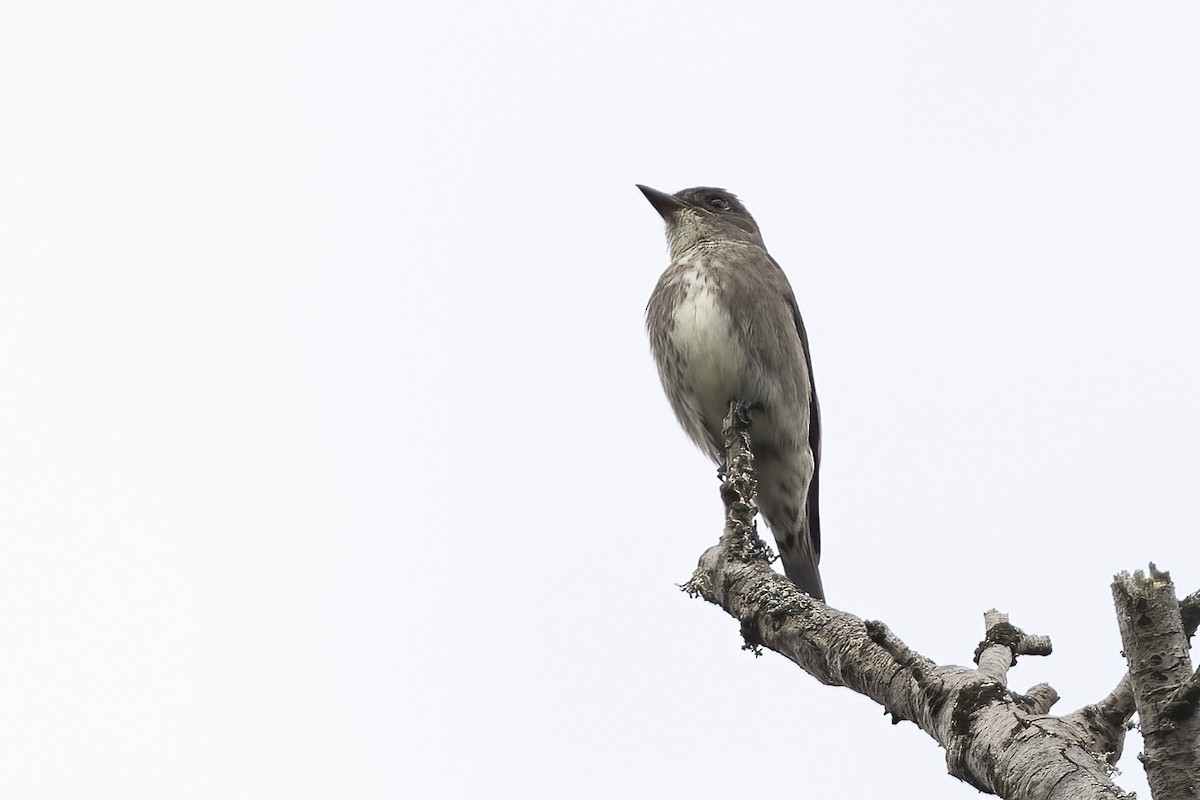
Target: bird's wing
814,428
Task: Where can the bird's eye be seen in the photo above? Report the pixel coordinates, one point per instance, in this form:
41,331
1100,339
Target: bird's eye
718,202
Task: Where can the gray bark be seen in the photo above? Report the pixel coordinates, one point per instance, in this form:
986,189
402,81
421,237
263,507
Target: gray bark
1000,741
1164,687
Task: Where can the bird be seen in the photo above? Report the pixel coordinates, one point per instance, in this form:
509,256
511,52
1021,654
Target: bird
724,325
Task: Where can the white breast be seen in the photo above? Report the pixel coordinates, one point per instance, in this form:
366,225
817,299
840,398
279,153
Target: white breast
714,361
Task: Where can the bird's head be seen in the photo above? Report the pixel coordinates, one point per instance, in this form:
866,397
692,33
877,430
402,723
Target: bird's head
703,214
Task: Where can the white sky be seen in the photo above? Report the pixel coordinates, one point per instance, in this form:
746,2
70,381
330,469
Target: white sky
334,462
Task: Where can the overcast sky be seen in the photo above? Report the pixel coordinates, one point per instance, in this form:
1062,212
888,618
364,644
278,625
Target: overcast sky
334,461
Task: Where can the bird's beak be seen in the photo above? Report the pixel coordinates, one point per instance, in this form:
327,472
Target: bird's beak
667,205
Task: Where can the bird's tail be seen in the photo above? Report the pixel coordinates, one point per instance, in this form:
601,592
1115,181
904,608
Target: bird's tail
799,558
787,498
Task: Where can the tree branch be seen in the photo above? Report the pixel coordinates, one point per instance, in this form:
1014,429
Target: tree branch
1189,613
1108,720
1181,704
995,739
1160,672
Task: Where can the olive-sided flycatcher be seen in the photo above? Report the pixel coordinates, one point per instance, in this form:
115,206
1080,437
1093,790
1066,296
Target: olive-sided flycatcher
724,325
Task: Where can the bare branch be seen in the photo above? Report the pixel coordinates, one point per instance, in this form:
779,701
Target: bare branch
1189,613
1001,645
918,665
1108,720
1182,702
996,740
1156,647
1038,700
